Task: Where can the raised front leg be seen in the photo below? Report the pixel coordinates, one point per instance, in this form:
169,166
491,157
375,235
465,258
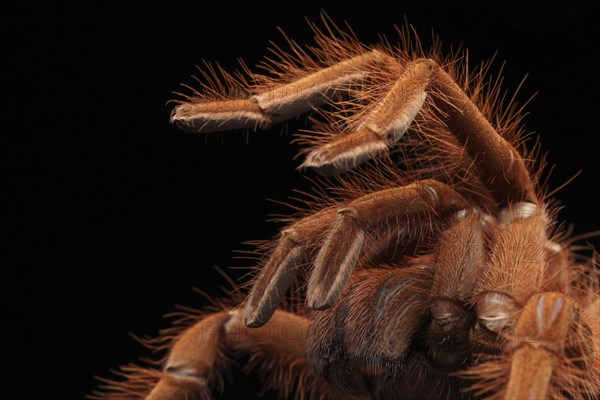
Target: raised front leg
275,103
380,125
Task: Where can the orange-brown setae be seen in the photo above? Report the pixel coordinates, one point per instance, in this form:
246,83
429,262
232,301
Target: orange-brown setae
425,267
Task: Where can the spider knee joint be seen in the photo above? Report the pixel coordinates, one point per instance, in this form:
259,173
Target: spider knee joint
519,210
486,221
188,375
425,63
496,311
447,314
432,193
290,235
347,212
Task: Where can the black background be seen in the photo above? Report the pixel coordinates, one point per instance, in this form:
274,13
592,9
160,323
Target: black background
111,215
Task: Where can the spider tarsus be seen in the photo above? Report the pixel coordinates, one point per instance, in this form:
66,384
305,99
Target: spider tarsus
345,153
222,115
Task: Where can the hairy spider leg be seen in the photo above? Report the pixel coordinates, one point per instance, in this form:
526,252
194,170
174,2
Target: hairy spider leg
199,357
263,109
460,258
341,233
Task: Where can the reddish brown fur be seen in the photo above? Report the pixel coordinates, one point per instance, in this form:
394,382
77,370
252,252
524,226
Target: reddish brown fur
464,149
459,258
385,308
517,260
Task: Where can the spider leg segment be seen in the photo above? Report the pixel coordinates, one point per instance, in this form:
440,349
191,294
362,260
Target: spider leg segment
362,345
278,104
542,332
460,259
280,270
512,274
392,304
555,349
340,235
516,266
192,360
500,166
198,357
380,129
343,244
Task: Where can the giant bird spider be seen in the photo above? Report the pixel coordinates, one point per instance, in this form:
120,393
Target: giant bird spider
432,269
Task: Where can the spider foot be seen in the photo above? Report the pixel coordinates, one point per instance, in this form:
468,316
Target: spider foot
345,153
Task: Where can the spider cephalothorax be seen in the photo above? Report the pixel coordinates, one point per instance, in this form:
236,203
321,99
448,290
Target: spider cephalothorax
432,269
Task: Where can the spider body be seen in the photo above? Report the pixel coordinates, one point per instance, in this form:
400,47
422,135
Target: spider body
431,267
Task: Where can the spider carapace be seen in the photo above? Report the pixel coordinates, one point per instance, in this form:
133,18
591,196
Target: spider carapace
429,266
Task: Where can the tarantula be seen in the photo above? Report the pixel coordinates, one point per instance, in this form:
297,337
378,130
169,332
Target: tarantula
433,269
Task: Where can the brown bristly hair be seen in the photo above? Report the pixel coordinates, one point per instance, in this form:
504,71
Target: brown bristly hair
437,154
282,373
428,151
